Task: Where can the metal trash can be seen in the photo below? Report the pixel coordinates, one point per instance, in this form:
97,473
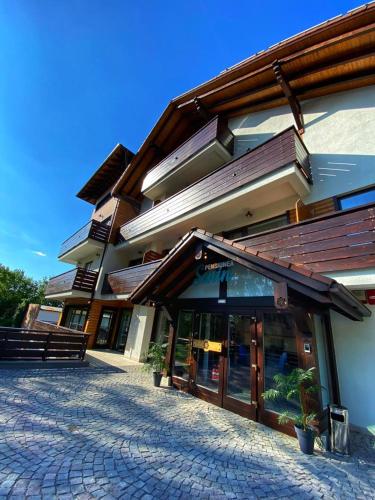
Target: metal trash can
339,429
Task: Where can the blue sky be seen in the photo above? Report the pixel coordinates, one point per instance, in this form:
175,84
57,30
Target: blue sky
79,76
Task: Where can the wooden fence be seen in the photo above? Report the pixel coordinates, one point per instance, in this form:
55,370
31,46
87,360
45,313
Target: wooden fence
27,344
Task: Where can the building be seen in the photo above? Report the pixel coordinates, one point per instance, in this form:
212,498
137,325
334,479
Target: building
244,232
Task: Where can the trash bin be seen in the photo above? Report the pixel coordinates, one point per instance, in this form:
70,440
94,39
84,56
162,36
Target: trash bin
339,429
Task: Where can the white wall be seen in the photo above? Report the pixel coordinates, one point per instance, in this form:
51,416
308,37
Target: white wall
339,132
355,357
140,330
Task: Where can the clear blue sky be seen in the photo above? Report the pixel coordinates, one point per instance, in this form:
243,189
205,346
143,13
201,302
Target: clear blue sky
79,76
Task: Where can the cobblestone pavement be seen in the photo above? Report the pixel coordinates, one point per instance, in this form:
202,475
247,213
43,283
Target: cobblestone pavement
105,433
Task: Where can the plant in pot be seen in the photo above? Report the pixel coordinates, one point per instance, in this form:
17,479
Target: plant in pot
293,387
155,361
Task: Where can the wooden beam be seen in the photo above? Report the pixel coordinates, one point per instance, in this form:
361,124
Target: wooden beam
201,109
289,94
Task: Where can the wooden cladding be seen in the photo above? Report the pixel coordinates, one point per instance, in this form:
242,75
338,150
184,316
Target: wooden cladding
126,280
216,129
284,149
76,279
150,256
19,343
339,241
94,230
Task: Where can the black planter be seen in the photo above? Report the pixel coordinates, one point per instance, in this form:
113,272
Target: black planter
157,378
306,440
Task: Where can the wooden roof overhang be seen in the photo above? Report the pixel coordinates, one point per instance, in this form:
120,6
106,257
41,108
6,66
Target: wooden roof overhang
107,174
334,56
177,270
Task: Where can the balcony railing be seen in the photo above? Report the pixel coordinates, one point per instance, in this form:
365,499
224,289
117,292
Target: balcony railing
214,130
124,281
282,150
76,279
343,240
92,230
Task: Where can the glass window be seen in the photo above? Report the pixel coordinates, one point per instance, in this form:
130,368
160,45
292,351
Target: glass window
162,330
104,328
123,329
280,355
183,345
242,282
357,199
323,360
211,327
239,281
238,373
76,318
258,227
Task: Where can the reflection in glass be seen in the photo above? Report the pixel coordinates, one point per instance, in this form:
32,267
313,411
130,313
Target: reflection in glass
183,345
104,328
238,379
323,361
280,355
162,331
242,282
123,329
211,328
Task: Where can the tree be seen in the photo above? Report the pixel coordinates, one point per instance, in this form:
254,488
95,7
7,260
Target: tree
17,291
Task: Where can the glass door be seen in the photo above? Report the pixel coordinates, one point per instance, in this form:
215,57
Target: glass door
105,328
240,375
207,363
123,329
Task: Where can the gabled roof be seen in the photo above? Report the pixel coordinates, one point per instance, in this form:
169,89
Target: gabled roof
333,56
178,267
107,174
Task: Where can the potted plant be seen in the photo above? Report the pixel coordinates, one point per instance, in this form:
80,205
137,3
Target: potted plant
293,387
155,361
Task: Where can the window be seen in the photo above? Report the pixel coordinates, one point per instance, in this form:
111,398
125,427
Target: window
258,227
183,347
76,318
357,199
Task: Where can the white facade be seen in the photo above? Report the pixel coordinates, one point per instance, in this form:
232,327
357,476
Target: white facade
355,358
339,134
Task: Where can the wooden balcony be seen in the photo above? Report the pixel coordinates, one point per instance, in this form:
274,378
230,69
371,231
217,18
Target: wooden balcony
255,178
124,281
91,236
72,283
202,153
340,241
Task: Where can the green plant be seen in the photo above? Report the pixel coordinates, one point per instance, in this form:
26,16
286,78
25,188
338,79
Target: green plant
293,387
155,360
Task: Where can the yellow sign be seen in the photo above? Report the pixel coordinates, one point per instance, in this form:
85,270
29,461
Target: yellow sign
207,345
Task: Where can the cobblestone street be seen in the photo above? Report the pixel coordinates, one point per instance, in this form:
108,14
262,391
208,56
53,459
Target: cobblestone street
101,432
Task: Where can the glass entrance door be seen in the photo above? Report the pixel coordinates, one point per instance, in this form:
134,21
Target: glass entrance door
105,328
223,366
207,360
239,392
123,329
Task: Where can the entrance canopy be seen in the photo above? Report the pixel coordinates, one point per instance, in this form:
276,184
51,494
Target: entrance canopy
178,271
